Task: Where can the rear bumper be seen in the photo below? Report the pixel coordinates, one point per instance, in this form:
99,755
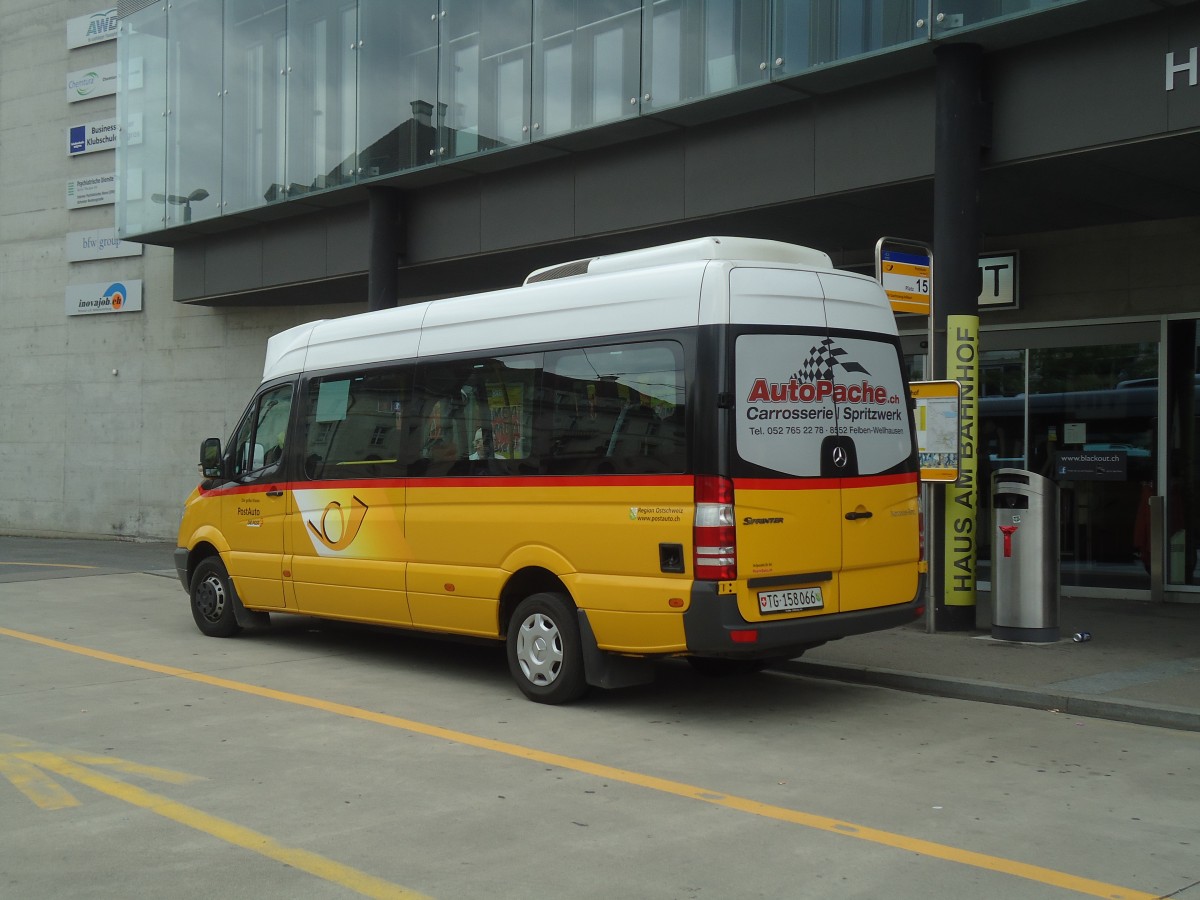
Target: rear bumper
711,619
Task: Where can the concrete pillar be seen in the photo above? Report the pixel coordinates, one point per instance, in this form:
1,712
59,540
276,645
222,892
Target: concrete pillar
959,137
387,235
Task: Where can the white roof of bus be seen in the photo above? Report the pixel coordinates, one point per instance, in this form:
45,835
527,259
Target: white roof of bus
644,290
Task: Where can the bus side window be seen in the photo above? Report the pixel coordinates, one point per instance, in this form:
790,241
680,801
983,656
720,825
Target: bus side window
492,399
258,442
618,409
354,425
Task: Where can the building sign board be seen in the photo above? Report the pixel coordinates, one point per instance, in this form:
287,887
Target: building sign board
95,28
92,190
98,81
998,281
1092,465
101,243
962,497
939,436
1188,67
905,278
91,137
104,297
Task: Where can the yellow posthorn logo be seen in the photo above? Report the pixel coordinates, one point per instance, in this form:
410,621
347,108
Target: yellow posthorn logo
338,529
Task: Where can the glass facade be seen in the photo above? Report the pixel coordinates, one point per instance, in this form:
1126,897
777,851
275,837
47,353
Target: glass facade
485,71
951,15
232,105
320,94
1088,414
697,48
193,109
811,33
586,63
253,104
142,114
398,105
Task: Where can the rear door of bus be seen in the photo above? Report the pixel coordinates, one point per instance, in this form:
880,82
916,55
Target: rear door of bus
824,464
880,526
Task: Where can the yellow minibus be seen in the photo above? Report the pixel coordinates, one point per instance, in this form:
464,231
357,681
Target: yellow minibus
703,449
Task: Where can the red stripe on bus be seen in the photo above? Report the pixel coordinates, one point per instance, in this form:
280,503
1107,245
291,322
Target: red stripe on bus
591,481
823,484
477,481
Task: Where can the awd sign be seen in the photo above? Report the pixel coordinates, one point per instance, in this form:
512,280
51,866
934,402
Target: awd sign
96,28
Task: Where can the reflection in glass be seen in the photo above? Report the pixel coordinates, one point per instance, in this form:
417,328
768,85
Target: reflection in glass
586,63
141,112
485,75
321,58
397,86
955,14
809,33
194,124
255,61
697,48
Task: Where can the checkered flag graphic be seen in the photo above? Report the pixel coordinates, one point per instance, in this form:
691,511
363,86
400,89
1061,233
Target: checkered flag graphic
822,359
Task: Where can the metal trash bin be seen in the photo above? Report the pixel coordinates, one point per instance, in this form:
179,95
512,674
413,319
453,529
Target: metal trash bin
1025,595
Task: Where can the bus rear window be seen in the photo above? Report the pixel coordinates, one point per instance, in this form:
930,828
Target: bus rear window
801,396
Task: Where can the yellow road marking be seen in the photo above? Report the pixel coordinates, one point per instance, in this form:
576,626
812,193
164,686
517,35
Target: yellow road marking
326,869
931,849
48,565
35,784
26,767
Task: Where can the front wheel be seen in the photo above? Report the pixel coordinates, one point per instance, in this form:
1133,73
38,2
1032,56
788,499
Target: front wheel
213,596
545,655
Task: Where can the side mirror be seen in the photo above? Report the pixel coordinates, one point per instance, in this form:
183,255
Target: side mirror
210,458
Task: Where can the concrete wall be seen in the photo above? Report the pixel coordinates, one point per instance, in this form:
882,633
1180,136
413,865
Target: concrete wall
84,451
1145,269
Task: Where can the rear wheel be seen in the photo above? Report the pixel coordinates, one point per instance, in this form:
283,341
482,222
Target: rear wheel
545,655
213,596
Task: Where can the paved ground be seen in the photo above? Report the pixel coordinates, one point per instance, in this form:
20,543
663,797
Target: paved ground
141,760
1142,664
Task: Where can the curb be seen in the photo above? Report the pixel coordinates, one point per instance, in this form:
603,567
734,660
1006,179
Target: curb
1131,711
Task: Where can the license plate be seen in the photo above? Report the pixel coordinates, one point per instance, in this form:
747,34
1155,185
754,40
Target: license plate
787,601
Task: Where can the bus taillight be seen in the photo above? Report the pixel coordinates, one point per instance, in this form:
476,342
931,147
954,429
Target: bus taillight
714,538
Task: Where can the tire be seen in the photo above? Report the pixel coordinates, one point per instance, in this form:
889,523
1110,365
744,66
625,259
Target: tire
717,667
212,599
545,655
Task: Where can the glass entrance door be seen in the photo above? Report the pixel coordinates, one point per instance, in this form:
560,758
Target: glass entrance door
1085,416
1080,405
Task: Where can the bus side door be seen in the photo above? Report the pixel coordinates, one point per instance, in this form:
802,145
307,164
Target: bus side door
347,552
253,504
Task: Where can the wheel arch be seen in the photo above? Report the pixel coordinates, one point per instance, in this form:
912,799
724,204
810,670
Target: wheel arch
526,582
204,542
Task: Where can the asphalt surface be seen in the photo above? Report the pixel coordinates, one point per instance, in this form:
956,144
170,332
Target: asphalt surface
1142,664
